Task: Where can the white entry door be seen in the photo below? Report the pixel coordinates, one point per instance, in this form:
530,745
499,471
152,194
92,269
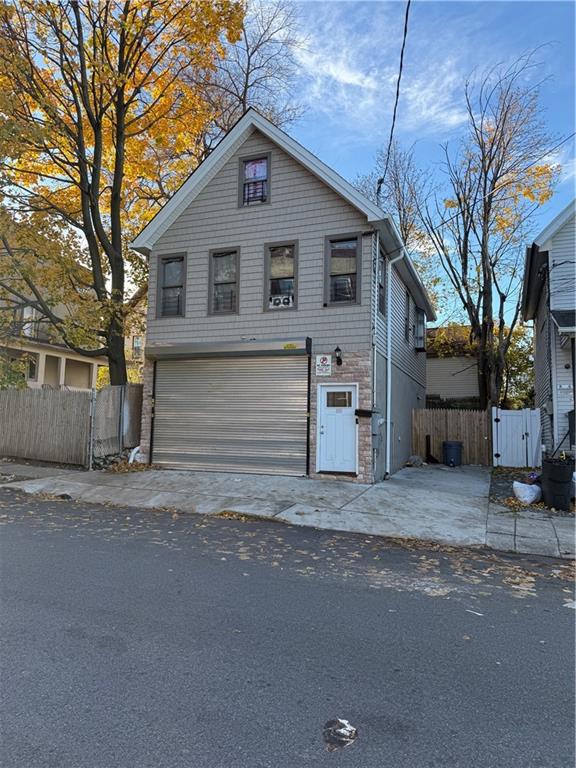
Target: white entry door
337,428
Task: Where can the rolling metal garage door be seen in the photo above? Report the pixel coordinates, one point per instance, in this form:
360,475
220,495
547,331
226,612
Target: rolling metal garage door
237,414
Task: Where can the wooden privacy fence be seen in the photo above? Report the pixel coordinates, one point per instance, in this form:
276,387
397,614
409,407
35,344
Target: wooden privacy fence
69,426
472,428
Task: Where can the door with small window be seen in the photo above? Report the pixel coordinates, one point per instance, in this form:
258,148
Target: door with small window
337,448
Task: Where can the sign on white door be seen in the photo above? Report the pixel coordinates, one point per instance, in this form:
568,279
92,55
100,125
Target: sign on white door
337,428
516,438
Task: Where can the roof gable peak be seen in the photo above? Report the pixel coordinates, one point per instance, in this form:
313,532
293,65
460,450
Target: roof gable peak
199,178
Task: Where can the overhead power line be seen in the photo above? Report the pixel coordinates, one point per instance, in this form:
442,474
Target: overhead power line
400,68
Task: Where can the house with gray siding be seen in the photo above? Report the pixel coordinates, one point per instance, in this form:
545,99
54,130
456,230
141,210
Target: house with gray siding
286,323
549,301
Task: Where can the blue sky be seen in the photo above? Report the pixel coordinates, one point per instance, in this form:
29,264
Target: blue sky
349,65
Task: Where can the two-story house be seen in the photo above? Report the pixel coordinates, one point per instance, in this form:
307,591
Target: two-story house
286,322
48,362
549,300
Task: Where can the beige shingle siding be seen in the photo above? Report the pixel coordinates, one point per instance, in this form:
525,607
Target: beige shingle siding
302,208
562,250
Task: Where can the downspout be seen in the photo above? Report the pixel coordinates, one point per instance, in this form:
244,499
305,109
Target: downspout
374,299
389,264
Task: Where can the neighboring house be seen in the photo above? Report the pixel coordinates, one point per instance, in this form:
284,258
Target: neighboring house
134,344
271,288
49,364
549,300
451,369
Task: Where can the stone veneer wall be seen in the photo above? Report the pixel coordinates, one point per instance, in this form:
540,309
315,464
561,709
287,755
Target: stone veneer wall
356,368
146,425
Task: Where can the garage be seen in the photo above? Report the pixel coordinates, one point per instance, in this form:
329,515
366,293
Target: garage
233,414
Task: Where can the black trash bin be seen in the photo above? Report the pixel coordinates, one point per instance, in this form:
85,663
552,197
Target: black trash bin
452,453
557,483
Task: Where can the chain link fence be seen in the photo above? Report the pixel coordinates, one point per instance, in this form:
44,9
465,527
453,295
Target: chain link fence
116,413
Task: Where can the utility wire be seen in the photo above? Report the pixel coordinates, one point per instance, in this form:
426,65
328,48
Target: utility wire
400,68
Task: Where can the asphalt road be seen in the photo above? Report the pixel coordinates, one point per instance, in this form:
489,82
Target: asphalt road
151,640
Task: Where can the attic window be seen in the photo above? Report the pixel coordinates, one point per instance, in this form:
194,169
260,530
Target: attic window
255,180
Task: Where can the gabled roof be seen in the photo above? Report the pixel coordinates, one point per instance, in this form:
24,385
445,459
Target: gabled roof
556,224
196,182
145,241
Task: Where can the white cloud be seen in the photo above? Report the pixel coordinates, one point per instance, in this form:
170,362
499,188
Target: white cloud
349,66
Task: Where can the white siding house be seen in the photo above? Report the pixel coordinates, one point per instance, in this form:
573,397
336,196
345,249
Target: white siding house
549,300
270,294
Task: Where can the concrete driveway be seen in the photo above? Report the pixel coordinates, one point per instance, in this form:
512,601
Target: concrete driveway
435,503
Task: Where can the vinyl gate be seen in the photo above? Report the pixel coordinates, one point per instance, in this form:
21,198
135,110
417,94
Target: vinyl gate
516,438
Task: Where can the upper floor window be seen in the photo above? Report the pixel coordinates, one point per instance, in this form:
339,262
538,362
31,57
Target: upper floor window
281,276
171,281
255,180
407,317
223,282
29,322
342,270
137,346
381,285
420,330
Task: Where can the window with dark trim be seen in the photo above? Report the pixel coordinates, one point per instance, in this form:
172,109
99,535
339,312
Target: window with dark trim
171,280
223,282
407,317
255,180
420,330
382,285
32,367
342,270
280,277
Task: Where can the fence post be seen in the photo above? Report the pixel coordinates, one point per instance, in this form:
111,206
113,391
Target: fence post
121,419
91,428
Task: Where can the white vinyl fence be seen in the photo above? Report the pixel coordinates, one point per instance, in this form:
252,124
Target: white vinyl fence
516,438
69,426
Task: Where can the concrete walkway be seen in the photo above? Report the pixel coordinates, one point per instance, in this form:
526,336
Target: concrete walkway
434,503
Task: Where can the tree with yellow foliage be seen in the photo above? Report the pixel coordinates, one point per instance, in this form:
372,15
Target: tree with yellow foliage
96,98
478,220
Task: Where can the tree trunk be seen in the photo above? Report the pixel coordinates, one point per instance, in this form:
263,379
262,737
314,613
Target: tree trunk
116,355
483,381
